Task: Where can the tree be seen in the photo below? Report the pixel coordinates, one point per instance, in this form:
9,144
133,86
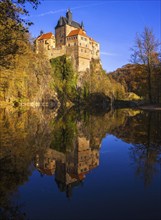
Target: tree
145,51
65,79
12,28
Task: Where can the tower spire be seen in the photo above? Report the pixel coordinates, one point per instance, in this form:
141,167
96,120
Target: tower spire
69,16
82,25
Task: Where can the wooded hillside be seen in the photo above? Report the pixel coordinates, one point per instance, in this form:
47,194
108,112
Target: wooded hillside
134,78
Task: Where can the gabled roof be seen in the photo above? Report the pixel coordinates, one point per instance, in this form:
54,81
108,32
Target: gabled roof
75,24
63,20
77,32
45,36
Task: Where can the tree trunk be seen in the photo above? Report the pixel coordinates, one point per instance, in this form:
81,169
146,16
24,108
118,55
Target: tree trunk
149,83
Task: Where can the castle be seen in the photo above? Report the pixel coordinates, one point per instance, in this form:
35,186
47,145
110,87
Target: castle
70,39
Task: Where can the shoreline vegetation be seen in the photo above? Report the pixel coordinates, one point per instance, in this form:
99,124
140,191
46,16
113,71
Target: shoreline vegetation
96,89
30,79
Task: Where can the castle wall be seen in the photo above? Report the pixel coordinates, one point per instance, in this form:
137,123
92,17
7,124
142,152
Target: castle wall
95,52
77,47
61,33
69,29
83,41
84,53
45,46
60,36
57,52
73,52
72,49
87,158
83,64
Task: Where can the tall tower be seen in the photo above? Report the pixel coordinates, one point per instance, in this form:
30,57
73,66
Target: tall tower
69,16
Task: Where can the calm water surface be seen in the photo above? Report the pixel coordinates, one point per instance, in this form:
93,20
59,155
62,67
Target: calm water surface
80,165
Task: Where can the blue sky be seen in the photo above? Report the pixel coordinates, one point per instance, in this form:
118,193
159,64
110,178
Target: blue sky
113,24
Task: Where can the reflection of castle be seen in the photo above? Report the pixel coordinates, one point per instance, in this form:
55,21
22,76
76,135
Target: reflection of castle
70,167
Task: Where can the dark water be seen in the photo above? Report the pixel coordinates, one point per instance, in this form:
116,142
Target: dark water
80,165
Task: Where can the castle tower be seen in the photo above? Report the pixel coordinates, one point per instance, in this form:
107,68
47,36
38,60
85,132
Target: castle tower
69,16
64,26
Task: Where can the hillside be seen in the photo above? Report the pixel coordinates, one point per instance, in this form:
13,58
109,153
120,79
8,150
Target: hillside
134,78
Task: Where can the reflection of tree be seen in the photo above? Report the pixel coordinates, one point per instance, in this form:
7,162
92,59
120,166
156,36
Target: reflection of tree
146,162
64,133
145,135
22,133
13,174
69,145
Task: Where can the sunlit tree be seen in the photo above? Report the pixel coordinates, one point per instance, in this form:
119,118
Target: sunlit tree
13,27
146,51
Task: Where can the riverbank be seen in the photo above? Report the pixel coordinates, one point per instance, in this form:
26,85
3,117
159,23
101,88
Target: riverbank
151,107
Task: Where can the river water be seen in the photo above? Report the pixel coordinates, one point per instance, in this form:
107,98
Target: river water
80,165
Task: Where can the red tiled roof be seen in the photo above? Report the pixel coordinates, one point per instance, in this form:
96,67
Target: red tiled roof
45,36
77,32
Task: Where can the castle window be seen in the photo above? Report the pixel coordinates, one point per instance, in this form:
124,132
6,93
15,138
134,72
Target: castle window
86,45
75,44
81,38
68,45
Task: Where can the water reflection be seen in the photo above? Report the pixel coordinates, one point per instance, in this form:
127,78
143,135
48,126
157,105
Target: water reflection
144,132
69,167
68,147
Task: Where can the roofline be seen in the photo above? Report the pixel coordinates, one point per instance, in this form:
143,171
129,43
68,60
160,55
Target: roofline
91,39
44,37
